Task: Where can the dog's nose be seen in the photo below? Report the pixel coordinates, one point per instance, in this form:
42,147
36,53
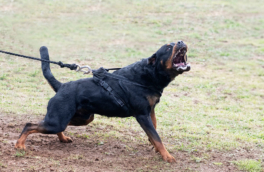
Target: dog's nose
180,43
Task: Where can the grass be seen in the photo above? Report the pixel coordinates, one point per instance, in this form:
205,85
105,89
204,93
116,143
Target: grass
77,156
217,105
218,163
3,77
20,153
2,165
249,165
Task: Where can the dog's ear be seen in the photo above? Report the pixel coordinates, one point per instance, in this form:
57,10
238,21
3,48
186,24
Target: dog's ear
152,59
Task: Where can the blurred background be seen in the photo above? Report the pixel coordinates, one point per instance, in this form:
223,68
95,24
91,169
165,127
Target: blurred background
217,105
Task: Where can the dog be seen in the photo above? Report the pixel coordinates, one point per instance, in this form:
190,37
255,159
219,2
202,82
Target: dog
133,90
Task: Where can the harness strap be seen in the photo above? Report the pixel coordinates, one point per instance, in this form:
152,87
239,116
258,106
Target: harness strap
101,72
110,90
124,79
112,69
121,78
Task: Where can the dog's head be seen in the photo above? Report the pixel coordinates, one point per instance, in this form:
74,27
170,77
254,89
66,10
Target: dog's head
172,58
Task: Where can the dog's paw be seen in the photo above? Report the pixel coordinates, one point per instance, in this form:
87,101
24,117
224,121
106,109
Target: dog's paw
66,140
20,146
168,158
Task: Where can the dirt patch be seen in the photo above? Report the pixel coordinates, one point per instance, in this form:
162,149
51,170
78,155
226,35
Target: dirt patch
91,151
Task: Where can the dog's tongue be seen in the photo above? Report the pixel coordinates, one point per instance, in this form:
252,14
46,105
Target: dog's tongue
180,64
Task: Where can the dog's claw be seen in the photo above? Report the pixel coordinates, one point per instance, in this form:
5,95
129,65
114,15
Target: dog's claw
169,158
66,140
20,146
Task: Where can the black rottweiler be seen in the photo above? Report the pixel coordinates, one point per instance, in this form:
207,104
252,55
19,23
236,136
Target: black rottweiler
130,91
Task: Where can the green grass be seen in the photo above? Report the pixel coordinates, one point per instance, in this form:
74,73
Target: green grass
249,165
2,165
217,105
3,77
20,153
218,163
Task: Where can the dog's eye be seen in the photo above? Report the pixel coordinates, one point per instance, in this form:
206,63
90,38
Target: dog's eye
168,49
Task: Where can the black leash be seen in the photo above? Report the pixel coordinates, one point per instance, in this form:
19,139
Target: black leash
62,65
71,66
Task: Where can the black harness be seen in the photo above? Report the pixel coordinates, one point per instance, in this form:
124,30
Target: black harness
115,85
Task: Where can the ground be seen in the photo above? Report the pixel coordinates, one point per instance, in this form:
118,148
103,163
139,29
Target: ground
91,151
210,119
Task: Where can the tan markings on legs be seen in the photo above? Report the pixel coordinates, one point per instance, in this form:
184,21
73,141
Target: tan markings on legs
77,121
152,100
21,141
90,119
159,147
63,138
153,118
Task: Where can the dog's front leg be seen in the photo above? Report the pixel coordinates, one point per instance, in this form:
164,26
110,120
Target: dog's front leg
154,121
147,125
153,118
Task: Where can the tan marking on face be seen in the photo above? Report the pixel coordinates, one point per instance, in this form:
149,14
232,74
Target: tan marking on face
169,61
185,56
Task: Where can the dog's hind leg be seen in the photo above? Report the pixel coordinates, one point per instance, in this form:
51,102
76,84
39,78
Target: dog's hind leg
55,121
28,129
75,121
44,128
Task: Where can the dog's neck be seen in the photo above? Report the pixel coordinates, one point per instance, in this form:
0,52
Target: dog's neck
143,73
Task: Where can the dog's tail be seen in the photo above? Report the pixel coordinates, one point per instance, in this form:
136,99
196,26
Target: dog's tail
54,83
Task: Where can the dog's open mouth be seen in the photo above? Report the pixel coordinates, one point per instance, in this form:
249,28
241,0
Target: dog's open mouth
180,60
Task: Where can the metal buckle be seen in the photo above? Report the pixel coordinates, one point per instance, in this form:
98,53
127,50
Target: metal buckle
81,68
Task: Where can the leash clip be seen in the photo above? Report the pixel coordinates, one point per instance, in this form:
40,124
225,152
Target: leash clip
82,69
